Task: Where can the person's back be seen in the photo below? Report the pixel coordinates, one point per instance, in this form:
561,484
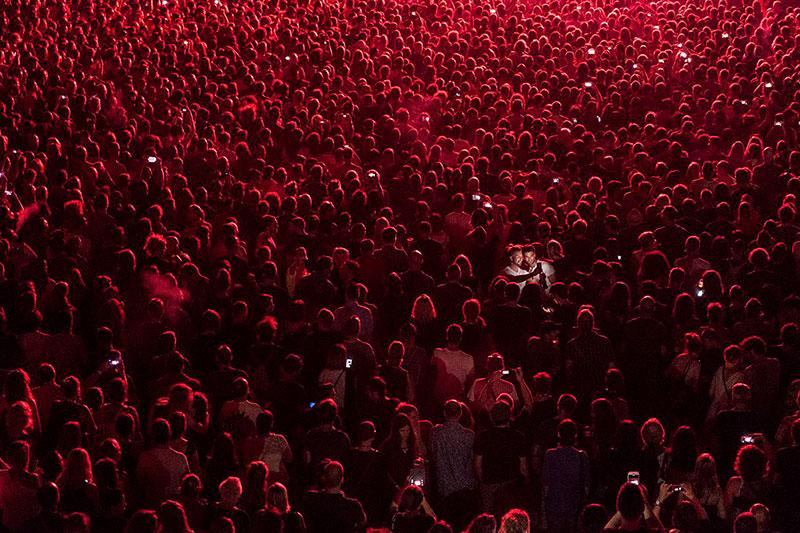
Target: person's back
160,469
786,469
453,366
565,478
18,489
329,510
452,452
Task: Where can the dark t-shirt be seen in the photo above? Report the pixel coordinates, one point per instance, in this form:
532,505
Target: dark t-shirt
332,513
501,449
328,444
787,469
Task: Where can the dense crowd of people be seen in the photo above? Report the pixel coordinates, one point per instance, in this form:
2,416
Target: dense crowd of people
449,265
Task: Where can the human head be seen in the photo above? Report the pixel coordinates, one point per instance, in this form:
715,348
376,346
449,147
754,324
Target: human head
332,475
630,501
751,463
515,521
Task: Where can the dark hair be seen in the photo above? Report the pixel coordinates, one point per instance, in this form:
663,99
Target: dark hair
593,518
567,432
745,523
327,411
630,502
264,422
411,498
751,463
161,431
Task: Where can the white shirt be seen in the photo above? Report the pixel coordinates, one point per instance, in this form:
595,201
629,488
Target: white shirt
456,363
514,270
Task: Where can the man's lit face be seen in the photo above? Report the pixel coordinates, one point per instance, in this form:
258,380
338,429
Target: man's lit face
530,258
517,258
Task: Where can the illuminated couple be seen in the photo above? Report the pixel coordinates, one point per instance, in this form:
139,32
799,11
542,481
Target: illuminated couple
524,266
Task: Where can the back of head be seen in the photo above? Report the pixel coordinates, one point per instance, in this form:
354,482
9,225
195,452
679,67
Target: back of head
452,410
500,413
142,521
630,502
411,498
593,518
484,523
515,521
567,432
48,496
745,523
327,411
160,431
332,475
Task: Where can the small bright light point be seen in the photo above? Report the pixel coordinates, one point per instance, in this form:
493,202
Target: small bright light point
587,84
660,60
185,43
680,45
635,65
599,119
768,85
684,55
164,2
725,36
591,51
743,102
287,58
413,13
689,60
216,2
578,8
493,11
778,123
656,27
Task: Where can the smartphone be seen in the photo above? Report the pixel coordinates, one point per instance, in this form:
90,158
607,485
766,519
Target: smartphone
556,181
476,197
506,372
114,361
488,205
677,488
633,477
152,159
619,258
348,363
747,439
311,405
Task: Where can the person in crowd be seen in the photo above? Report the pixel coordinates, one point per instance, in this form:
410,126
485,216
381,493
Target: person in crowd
451,453
565,479
484,392
206,222
328,508
160,469
413,512
501,460
453,366
634,512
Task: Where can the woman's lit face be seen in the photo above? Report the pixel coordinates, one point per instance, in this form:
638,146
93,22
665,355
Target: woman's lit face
405,432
